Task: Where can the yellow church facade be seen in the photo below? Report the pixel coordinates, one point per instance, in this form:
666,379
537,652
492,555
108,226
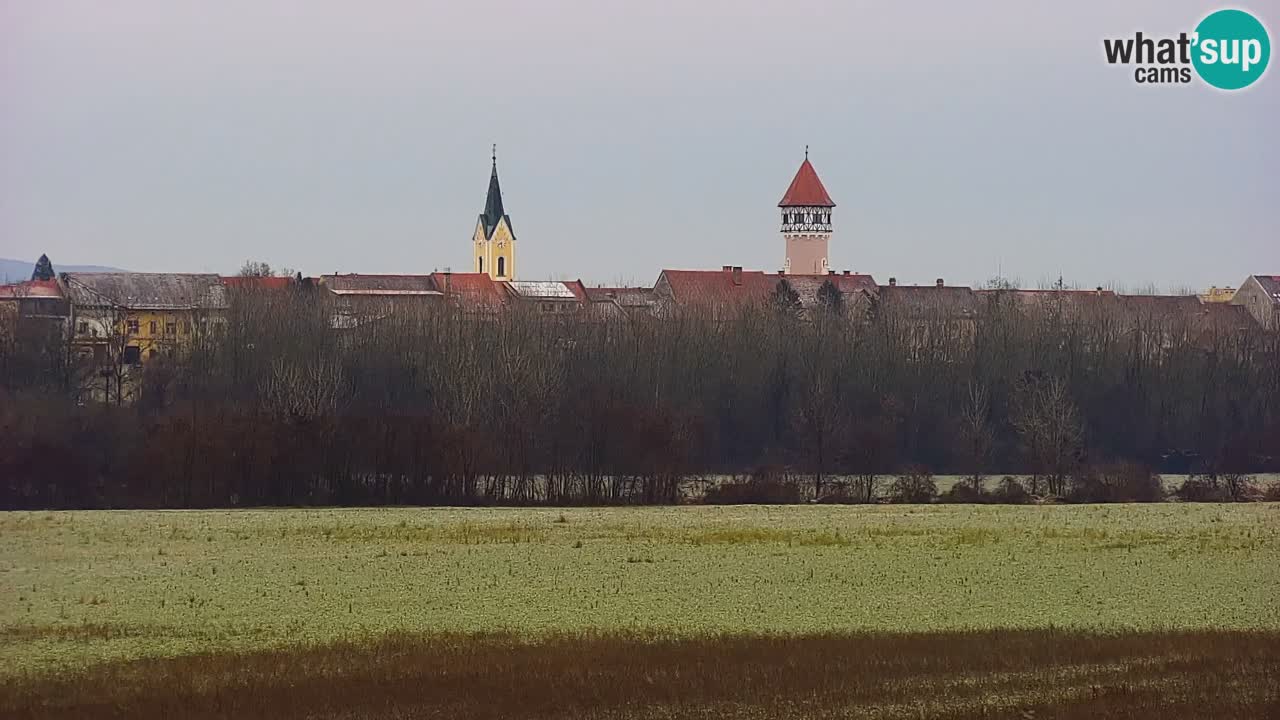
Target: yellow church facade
495,250
494,240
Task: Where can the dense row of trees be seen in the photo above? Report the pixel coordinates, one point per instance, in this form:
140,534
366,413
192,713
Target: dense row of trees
432,405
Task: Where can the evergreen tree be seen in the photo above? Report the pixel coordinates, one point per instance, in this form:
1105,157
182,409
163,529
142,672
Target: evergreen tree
830,298
785,299
44,269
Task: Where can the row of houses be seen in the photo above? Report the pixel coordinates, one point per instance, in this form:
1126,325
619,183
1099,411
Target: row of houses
133,317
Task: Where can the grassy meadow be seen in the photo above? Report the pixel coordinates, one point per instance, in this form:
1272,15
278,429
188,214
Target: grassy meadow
118,613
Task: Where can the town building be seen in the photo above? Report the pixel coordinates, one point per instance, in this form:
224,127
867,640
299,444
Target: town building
129,318
34,311
549,297
719,292
620,302
359,298
494,240
806,222
1260,295
1217,294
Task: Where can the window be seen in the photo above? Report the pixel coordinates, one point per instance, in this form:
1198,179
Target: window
132,355
82,328
546,307
184,328
481,262
131,326
171,328
153,327
502,266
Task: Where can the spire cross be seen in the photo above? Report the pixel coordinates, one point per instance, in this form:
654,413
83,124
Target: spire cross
806,152
495,153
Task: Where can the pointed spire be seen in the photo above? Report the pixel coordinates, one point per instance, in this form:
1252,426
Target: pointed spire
493,211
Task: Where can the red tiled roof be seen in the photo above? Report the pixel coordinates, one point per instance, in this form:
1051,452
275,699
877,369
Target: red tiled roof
31,289
806,189
578,289
1169,305
1228,316
260,283
357,284
470,289
930,300
807,286
725,286
623,296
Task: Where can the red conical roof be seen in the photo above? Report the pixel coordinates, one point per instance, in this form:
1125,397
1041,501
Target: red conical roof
806,189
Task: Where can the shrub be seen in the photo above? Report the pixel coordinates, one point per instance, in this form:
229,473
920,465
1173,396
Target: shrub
766,487
1011,492
1202,488
1116,482
914,485
1241,488
1272,493
842,496
963,492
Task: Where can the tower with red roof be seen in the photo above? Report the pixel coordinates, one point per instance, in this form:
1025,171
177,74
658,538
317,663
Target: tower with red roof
806,222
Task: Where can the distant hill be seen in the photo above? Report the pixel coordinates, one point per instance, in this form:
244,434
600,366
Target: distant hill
12,271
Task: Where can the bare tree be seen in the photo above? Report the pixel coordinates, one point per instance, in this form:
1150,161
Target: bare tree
1049,427
976,435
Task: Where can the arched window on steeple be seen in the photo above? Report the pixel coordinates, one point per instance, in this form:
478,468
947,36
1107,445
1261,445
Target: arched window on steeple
481,263
502,267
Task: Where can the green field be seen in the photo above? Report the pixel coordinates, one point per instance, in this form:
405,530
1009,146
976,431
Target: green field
80,588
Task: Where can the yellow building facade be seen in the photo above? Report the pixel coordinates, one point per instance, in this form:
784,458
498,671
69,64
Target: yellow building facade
1217,294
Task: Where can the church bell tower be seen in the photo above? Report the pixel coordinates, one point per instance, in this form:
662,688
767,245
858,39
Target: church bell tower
806,222
494,241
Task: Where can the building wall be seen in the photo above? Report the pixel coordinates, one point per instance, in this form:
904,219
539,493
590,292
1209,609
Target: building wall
153,332
806,253
1260,305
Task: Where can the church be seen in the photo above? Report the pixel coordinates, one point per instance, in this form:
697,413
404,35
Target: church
494,240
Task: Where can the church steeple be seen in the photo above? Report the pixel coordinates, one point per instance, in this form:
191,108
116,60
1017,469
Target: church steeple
493,202
494,238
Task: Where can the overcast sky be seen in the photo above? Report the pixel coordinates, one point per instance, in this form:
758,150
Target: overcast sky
958,139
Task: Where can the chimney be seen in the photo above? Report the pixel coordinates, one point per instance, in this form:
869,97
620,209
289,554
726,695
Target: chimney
726,268
781,273
831,272
846,272
893,282
938,282
737,274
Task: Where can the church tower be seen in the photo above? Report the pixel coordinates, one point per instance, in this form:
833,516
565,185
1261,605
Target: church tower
806,222
494,242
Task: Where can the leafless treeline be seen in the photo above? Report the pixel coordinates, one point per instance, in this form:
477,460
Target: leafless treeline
433,405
